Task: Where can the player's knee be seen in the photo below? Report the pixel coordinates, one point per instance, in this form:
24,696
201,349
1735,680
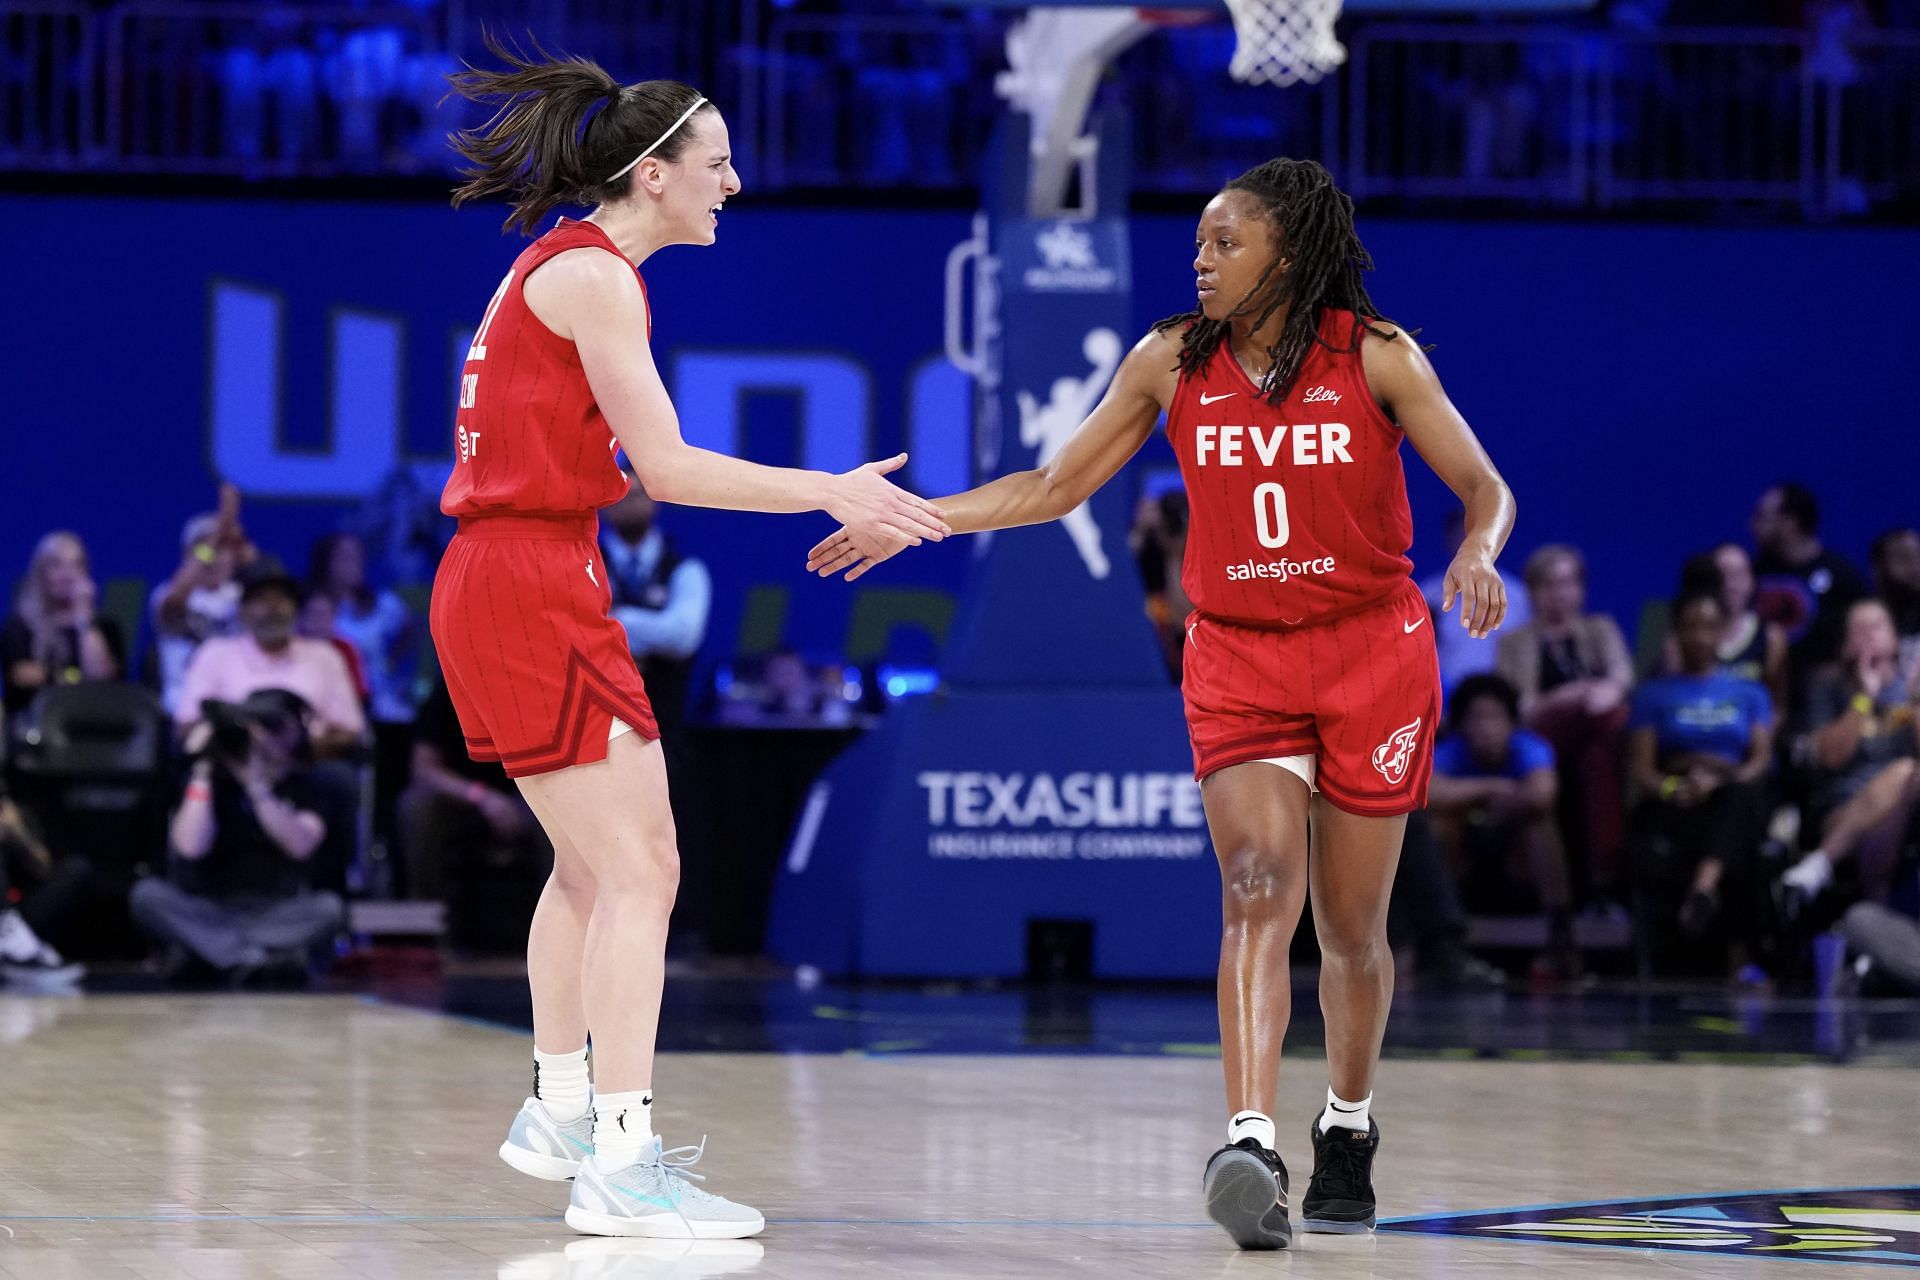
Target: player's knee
1256,880
1359,940
573,878
652,871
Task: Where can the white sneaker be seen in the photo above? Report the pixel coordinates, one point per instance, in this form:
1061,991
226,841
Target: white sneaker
26,960
542,1147
1810,875
655,1196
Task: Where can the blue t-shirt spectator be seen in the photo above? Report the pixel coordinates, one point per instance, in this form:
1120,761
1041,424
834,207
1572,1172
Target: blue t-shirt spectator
1526,753
1709,715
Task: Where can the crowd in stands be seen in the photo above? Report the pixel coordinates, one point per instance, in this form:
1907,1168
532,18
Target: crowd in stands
1747,783
307,752
1751,783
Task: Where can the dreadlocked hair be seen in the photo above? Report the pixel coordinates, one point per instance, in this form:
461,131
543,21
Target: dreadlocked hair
1325,259
561,127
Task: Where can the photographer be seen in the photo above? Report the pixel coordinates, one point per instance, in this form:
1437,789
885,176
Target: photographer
251,827
268,655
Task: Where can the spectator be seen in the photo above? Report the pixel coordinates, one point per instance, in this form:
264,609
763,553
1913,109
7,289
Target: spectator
1701,741
1803,586
458,818
1573,674
271,656
380,628
54,636
1751,649
1492,805
1863,744
252,824
1424,916
794,693
1461,655
271,76
1896,580
662,598
315,621
1159,543
202,598
1886,944
46,892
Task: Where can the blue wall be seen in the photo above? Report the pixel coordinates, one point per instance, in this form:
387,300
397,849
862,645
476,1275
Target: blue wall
1638,385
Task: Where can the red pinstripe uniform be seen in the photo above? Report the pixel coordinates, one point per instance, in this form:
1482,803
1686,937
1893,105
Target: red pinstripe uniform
537,669
1308,636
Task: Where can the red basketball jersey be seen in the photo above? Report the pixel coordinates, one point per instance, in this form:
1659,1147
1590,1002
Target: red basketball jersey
1298,513
529,439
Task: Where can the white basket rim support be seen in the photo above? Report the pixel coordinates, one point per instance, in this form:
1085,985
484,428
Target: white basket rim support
1284,42
1055,57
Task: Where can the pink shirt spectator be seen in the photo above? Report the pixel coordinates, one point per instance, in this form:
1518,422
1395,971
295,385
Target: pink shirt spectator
229,668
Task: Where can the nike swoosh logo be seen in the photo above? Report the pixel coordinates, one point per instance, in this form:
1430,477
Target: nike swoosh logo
1207,399
641,1196
1415,625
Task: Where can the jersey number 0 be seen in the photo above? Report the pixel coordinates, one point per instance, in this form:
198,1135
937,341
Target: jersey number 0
1270,515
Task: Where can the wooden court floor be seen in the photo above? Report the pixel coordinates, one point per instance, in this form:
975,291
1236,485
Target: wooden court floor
148,1137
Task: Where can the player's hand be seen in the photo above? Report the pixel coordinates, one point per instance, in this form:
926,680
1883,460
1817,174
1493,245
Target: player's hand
1482,595
837,551
880,518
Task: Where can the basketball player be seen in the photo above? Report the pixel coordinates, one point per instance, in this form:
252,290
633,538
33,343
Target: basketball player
558,377
1311,683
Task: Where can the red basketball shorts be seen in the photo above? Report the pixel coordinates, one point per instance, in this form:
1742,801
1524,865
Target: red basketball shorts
1359,692
537,669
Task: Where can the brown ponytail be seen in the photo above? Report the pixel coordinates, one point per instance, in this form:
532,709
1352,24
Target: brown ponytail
562,126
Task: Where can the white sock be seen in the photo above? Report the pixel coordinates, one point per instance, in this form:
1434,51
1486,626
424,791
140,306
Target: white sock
1811,874
622,1127
1348,1115
1250,1124
560,1082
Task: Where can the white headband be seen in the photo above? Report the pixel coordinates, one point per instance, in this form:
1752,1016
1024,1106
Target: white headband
671,130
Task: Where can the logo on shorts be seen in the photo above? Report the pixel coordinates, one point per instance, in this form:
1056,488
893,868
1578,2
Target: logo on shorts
1393,756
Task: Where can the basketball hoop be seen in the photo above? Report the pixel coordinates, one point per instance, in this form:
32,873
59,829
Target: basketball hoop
1284,42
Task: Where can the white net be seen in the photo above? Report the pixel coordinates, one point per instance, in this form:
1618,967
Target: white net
1285,42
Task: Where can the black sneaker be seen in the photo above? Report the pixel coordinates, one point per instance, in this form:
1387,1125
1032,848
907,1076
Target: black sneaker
1340,1193
1246,1186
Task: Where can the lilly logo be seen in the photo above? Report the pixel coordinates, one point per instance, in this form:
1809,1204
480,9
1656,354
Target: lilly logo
1393,756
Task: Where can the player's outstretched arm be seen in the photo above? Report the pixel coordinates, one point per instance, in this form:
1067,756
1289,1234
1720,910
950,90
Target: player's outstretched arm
1400,375
589,296
1096,451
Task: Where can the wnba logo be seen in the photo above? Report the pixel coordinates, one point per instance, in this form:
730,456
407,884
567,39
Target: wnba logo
1393,756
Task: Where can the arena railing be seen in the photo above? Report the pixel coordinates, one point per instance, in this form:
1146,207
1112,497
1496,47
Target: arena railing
1816,123
49,85
214,86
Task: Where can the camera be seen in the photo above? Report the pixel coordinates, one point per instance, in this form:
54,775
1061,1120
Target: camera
232,734
230,725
